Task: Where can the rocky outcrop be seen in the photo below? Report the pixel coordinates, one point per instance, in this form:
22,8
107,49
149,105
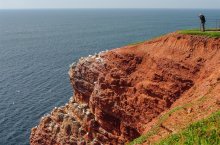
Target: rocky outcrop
118,92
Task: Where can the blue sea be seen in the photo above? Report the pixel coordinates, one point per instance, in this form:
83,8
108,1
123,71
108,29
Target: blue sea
37,47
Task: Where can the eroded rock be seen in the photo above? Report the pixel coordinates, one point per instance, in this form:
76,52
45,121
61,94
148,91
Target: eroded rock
117,92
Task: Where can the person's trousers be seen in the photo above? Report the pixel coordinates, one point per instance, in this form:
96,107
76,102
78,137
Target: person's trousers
203,27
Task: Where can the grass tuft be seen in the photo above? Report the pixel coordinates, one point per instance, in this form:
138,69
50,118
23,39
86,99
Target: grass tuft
213,33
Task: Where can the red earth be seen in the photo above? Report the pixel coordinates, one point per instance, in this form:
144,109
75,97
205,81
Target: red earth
123,93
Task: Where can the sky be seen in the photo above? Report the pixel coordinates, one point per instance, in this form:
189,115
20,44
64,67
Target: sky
29,4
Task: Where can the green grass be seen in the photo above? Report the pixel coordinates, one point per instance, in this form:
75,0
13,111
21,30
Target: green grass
156,128
204,132
136,43
214,33
140,42
209,32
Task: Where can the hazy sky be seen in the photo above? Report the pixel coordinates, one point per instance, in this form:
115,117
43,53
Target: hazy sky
5,4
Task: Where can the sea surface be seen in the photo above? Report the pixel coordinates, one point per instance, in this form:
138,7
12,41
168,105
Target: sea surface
37,47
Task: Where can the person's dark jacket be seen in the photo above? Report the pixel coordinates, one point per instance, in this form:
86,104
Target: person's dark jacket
202,18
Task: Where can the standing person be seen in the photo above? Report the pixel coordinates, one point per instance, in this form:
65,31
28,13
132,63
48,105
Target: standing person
202,19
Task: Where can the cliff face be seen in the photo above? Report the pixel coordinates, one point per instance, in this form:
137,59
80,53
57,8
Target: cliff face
119,94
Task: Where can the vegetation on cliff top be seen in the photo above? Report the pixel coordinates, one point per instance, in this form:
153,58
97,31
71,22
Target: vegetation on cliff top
213,33
204,132
209,32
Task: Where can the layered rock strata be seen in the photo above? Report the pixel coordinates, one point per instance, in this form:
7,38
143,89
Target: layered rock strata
118,92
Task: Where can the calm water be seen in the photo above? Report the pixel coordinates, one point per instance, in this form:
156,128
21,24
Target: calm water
37,46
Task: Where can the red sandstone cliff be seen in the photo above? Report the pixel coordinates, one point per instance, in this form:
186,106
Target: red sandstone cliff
119,94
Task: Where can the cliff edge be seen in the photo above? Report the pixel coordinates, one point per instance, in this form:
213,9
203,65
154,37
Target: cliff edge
122,93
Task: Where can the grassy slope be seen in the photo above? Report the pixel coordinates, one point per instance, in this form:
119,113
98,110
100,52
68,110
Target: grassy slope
214,33
143,138
210,32
204,132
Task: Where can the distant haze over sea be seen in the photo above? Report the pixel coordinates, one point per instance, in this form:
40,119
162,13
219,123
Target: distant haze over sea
37,47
